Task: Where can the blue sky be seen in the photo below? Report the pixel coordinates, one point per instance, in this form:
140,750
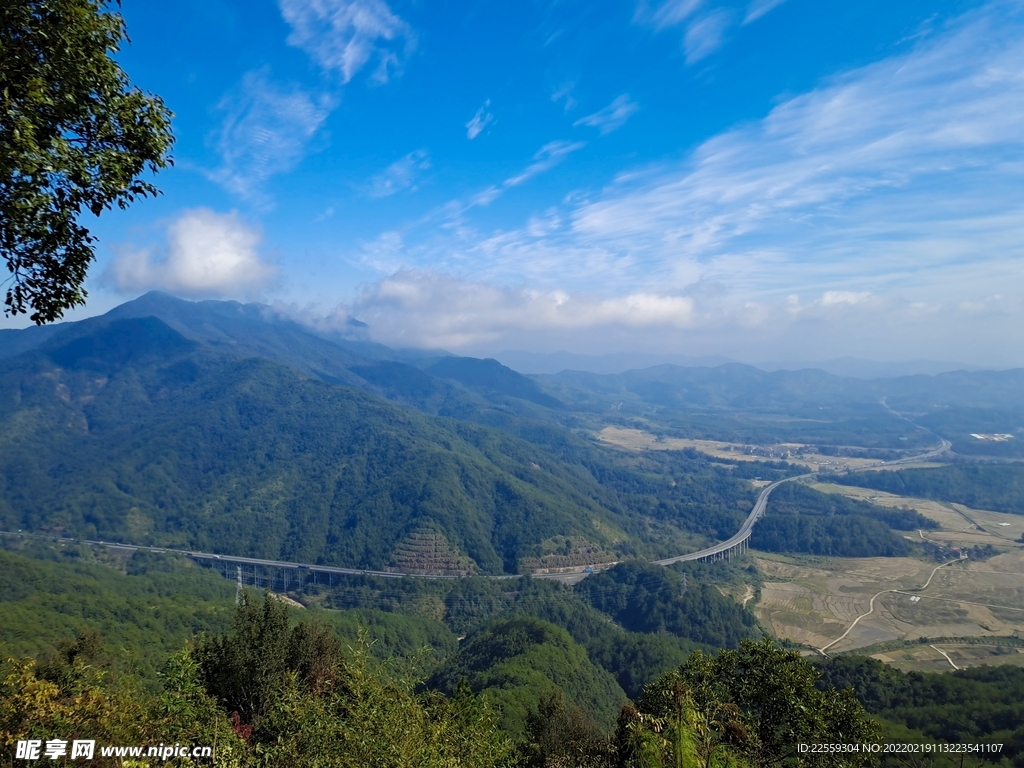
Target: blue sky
762,179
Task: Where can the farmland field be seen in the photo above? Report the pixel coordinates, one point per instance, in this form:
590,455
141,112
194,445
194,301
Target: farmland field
960,525
813,601
638,439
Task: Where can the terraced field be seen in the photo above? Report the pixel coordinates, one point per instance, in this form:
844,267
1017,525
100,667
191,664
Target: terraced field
813,601
944,656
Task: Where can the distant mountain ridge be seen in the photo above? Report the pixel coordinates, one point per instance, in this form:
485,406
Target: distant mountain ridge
621,362
730,401
226,427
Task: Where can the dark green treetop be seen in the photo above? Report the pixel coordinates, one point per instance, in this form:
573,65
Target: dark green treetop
75,136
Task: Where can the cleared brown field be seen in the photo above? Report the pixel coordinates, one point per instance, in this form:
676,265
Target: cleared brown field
943,657
638,440
959,524
815,600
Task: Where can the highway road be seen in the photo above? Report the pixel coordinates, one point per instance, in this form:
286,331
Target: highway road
717,549
743,533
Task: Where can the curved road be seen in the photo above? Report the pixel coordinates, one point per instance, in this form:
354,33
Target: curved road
762,502
723,546
743,533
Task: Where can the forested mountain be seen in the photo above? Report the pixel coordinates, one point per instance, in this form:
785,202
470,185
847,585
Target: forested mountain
649,598
803,519
741,403
125,429
136,432
492,379
50,597
252,435
519,659
734,386
54,590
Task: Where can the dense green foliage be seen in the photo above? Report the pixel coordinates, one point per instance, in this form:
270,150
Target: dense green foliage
649,598
134,433
75,137
801,519
492,379
960,424
149,614
468,605
294,697
978,705
758,702
398,618
353,685
53,591
800,499
516,660
829,536
999,487
681,488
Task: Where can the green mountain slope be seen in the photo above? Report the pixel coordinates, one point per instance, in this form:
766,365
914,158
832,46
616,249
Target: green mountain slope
517,659
493,380
148,614
135,432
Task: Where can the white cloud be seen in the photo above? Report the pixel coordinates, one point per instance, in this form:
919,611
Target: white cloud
206,254
547,157
419,308
266,131
479,121
898,172
612,117
400,175
849,298
888,197
759,8
564,92
346,35
669,14
705,35
428,308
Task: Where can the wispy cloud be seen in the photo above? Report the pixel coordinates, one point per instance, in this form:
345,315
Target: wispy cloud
564,93
705,35
479,121
893,153
268,127
667,14
759,8
266,130
204,254
705,31
890,194
400,175
612,117
547,157
346,35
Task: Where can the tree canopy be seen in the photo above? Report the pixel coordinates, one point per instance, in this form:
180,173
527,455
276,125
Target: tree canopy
75,137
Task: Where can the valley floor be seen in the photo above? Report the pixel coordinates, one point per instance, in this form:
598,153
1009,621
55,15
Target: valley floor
813,601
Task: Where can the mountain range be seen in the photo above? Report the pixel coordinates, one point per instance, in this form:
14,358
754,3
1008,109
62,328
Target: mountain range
231,428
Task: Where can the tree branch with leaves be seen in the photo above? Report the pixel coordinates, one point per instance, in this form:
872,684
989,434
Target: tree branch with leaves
76,137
